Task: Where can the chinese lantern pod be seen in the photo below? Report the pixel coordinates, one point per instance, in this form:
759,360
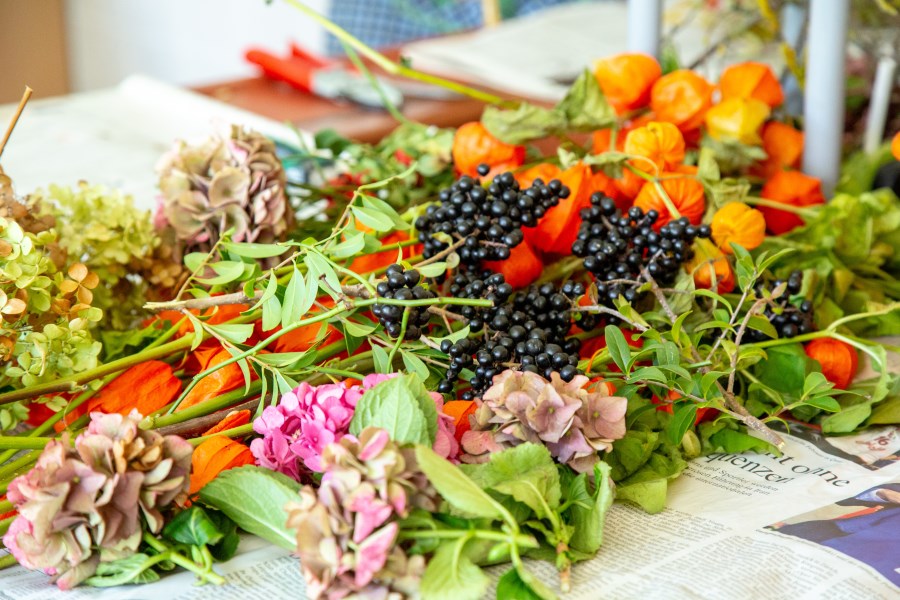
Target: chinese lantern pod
751,80
626,80
839,360
474,145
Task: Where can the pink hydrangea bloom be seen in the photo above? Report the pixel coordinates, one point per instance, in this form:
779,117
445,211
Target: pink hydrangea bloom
308,418
305,421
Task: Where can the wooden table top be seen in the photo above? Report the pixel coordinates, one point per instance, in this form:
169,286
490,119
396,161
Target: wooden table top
280,102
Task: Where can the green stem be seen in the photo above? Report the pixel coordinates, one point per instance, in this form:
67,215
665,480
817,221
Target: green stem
525,541
24,443
385,101
403,324
5,523
389,65
202,408
182,561
324,316
72,383
803,211
234,432
8,561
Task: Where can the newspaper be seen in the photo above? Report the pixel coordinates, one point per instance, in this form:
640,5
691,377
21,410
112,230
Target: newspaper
820,521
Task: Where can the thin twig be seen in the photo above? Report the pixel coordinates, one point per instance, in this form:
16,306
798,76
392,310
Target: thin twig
202,303
12,125
207,421
605,310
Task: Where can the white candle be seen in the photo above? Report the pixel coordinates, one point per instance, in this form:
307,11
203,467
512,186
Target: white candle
823,102
879,104
644,26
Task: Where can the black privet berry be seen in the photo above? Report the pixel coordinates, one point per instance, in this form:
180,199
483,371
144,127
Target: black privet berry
789,315
489,220
617,247
526,331
400,284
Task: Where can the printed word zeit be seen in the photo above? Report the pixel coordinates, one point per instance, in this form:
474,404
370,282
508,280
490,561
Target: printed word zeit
748,464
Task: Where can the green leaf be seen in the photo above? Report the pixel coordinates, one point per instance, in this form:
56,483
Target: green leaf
511,587
736,442
649,495
354,243
459,491
585,107
132,569
784,369
381,360
233,332
848,419
255,498
198,330
271,313
452,576
707,168
358,329
886,413
414,364
226,272
372,218
298,298
682,420
194,260
249,250
618,347
667,354
526,472
194,527
522,124
589,522
402,406
433,270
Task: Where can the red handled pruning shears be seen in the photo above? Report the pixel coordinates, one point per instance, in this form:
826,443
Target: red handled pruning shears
331,79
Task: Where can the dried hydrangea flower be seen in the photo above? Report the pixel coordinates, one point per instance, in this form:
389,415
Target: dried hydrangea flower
575,424
82,505
236,183
347,529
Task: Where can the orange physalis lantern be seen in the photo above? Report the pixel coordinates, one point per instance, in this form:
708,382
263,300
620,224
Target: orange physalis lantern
710,268
838,359
895,146
783,145
474,145
792,188
686,194
660,142
681,98
626,80
521,268
737,119
739,224
215,455
751,80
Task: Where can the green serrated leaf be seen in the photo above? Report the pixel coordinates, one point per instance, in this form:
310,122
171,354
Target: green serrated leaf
194,527
255,499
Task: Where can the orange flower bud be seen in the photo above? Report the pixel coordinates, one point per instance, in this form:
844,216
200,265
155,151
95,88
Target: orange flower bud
626,80
895,146
738,223
474,145
681,98
838,359
737,119
784,146
658,141
751,80
686,194
710,268
793,188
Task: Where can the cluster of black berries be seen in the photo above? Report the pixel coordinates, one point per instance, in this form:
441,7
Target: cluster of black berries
490,220
530,330
402,285
617,246
788,318
486,286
